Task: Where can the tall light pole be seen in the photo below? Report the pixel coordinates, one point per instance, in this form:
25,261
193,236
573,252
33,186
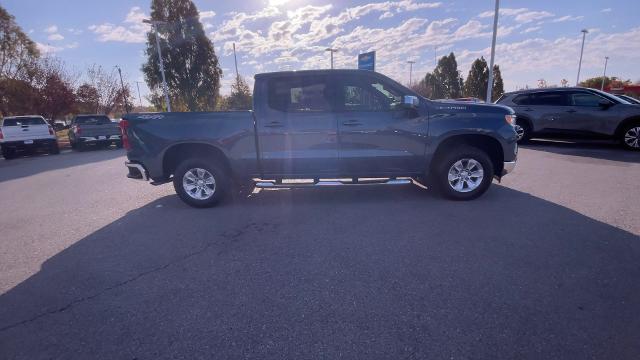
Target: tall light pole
139,97
154,25
584,34
235,59
124,93
331,50
604,74
410,70
493,52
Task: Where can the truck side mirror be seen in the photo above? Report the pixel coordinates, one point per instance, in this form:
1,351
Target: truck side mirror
410,101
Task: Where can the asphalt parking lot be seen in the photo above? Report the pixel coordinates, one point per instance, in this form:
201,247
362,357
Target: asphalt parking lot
544,266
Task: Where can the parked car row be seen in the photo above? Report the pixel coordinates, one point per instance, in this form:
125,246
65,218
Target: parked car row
574,112
31,133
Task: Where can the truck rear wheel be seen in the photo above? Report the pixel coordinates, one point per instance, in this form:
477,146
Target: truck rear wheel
464,173
200,183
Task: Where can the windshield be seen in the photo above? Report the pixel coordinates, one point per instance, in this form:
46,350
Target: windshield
92,120
23,121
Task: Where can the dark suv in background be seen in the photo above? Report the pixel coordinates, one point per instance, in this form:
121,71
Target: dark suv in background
574,112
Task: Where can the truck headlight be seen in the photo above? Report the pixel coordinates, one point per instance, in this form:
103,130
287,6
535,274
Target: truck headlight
510,119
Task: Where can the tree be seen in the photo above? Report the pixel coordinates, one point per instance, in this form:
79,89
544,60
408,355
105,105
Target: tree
427,87
18,62
596,82
240,97
110,95
447,77
476,83
478,78
18,53
87,99
191,65
498,84
57,98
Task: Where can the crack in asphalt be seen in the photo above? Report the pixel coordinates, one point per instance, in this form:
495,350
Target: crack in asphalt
230,237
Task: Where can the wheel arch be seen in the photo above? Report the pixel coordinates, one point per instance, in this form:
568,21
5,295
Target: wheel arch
485,142
624,123
174,155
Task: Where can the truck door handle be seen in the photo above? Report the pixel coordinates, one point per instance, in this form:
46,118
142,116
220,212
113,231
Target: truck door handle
273,124
571,111
352,123
528,109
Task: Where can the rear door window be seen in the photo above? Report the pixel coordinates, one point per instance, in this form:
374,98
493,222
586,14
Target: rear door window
300,94
549,99
92,120
23,121
585,99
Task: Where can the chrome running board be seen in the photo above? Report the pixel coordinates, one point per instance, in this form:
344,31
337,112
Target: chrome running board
272,184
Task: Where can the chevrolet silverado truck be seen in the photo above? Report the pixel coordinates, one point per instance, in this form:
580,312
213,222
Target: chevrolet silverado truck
96,130
27,133
319,128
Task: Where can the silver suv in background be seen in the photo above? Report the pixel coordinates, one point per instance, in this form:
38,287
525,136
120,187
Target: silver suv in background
574,112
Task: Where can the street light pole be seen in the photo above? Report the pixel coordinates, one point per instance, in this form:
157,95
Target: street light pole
124,93
604,74
493,51
139,97
165,90
331,50
410,70
235,59
584,34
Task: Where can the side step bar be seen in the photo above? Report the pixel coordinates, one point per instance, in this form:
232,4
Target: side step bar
267,184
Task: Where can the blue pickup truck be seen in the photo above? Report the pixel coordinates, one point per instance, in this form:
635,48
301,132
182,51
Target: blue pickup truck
331,127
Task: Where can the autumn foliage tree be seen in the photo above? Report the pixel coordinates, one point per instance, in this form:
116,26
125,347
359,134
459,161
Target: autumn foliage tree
191,65
240,97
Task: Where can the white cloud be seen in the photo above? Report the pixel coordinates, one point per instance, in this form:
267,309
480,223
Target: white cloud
567,18
531,29
74,31
51,29
132,30
46,48
530,16
207,14
55,37
605,10
385,15
520,15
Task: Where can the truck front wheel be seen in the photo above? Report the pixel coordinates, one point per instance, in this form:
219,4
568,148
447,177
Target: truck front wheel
464,173
200,183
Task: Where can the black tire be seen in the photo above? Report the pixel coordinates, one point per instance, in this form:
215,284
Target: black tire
55,149
524,130
439,175
220,187
8,154
630,136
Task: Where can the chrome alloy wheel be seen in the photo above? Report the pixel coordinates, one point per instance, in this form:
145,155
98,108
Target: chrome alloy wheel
632,137
199,183
519,131
465,175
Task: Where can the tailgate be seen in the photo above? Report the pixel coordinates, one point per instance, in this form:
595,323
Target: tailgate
25,132
98,130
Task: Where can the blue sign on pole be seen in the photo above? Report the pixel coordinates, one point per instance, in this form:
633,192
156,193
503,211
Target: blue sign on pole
367,61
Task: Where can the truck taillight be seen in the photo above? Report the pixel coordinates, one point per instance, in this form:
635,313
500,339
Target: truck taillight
124,126
51,132
1,135
76,129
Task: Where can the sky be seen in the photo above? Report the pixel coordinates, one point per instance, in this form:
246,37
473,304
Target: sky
536,39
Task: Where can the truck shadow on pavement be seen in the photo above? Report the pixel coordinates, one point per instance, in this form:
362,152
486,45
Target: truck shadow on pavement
605,150
369,273
27,166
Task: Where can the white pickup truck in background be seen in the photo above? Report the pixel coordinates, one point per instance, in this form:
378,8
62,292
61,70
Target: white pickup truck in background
26,134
